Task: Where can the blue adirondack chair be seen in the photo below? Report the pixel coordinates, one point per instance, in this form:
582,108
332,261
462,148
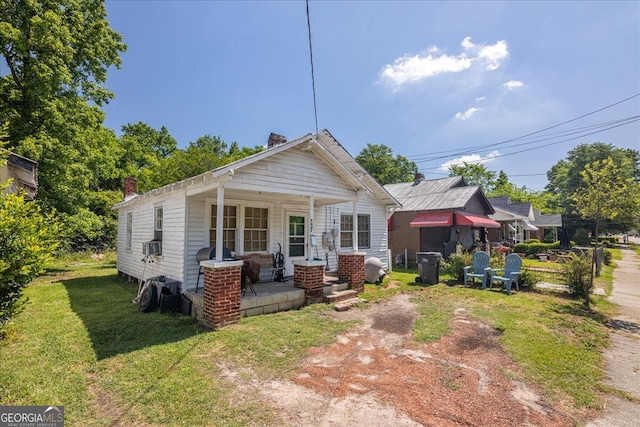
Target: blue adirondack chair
479,268
512,265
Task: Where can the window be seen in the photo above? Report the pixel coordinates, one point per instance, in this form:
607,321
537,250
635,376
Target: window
364,231
158,223
229,226
256,225
129,231
346,231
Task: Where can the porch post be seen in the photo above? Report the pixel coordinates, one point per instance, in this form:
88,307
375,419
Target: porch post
310,248
351,270
219,225
221,293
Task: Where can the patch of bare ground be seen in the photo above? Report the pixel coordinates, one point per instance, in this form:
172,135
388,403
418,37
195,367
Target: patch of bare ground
376,375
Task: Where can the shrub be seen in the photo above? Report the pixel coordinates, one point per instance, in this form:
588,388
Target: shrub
576,275
27,241
528,278
454,266
531,249
607,256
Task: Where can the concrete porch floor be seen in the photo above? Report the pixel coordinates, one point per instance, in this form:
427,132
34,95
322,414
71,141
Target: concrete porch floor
270,297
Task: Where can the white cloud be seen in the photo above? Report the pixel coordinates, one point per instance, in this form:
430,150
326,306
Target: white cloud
513,84
470,158
408,68
494,54
467,114
480,98
467,43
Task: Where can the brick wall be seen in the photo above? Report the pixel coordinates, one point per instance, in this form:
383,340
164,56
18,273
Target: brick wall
351,269
310,277
221,296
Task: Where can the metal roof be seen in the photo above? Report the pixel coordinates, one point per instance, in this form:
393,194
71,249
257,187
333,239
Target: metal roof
438,194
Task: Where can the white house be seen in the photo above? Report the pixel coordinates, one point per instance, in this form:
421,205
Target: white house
307,197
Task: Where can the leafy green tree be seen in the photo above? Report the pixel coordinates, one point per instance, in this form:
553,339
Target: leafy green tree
380,162
57,54
28,239
565,178
475,174
144,154
609,190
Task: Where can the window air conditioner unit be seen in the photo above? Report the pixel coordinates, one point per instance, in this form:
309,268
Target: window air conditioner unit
153,247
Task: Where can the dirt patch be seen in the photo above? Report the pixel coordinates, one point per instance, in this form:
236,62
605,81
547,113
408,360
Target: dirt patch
376,375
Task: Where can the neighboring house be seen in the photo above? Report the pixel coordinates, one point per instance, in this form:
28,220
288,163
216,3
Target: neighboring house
546,222
23,173
516,220
436,215
308,197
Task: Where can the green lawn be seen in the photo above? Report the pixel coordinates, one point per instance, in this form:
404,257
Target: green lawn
81,343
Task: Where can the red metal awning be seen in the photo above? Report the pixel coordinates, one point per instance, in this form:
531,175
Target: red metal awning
475,220
432,219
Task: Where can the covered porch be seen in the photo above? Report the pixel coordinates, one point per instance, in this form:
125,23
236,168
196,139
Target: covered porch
273,297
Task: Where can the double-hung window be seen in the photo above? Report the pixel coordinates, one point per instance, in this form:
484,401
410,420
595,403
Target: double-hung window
128,239
229,226
158,222
346,231
256,226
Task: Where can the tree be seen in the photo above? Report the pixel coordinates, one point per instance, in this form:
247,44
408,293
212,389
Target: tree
57,54
609,190
565,178
379,161
144,152
475,174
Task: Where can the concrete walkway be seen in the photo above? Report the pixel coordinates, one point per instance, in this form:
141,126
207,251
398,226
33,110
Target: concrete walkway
622,358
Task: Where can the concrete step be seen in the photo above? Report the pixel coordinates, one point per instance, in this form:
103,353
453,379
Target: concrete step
335,287
347,304
339,296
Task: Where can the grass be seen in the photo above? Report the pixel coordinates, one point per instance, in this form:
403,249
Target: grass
81,343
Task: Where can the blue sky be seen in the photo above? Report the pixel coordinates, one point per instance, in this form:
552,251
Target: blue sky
435,81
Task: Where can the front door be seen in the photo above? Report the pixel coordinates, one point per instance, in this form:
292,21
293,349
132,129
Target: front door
296,244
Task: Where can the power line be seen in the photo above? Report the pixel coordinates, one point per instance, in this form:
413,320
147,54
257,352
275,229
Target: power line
580,132
313,80
482,147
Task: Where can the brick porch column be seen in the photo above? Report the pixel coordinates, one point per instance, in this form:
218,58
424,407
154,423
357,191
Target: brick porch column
221,293
351,269
309,275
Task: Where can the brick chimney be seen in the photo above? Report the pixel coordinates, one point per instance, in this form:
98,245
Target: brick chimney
418,178
275,139
130,186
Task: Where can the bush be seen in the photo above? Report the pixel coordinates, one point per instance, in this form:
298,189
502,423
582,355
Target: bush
607,256
531,249
28,239
576,275
528,279
454,266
